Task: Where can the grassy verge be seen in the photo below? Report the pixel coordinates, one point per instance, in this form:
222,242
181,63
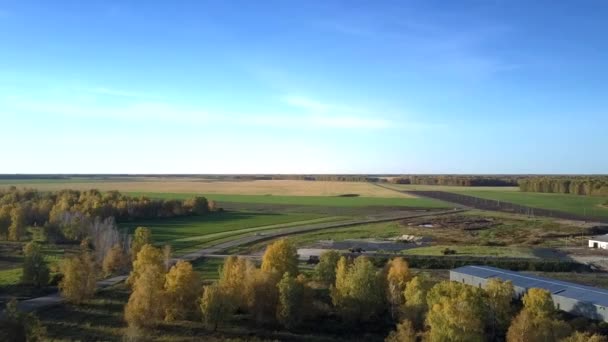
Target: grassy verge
509,252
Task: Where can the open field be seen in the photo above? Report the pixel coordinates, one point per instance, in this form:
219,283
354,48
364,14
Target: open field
415,202
574,204
207,187
186,233
579,205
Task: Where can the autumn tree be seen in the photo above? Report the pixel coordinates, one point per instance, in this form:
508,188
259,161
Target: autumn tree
585,337
35,269
414,296
262,295
197,205
537,321
405,332
291,301
115,261
234,276
499,297
359,290
398,274
182,289
325,270
456,312
16,230
5,221
145,307
280,256
142,237
148,257
216,305
79,277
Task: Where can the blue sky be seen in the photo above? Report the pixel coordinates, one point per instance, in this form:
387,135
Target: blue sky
304,86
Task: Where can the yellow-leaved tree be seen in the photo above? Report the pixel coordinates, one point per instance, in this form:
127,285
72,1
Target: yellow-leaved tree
234,275
216,305
499,297
414,295
456,313
359,291
280,256
147,301
142,237
537,320
325,270
182,289
79,276
290,310
116,261
405,332
397,276
585,337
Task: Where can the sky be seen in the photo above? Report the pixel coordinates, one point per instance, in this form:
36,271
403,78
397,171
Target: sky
474,87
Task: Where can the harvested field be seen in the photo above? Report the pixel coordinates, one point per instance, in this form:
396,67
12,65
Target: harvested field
191,185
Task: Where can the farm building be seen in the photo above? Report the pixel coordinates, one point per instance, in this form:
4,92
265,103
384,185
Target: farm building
587,301
599,242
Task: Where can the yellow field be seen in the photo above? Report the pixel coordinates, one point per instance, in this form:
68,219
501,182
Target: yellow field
189,185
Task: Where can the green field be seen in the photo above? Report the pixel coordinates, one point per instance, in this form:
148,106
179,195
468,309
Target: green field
185,233
306,200
450,188
579,205
494,251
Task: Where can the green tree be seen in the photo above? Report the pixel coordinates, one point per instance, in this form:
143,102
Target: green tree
405,332
325,270
18,326
35,269
216,305
359,290
280,256
456,313
182,289
17,228
142,237
291,301
499,296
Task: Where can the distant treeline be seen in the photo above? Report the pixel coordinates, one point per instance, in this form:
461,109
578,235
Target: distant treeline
21,208
577,185
458,180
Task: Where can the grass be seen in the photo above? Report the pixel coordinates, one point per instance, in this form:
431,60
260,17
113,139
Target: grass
10,276
509,252
415,202
208,268
579,205
186,232
450,188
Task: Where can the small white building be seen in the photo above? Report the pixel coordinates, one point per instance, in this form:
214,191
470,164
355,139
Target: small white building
599,242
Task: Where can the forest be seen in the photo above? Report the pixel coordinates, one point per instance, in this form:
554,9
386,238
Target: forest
576,185
453,180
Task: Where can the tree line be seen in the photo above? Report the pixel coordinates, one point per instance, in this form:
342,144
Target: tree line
457,180
62,212
576,185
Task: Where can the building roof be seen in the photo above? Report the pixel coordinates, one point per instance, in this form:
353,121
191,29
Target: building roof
602,238
578,292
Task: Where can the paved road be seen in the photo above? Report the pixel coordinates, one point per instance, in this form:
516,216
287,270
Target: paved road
53,299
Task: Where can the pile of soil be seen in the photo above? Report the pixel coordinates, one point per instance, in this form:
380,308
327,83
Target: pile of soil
462,222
